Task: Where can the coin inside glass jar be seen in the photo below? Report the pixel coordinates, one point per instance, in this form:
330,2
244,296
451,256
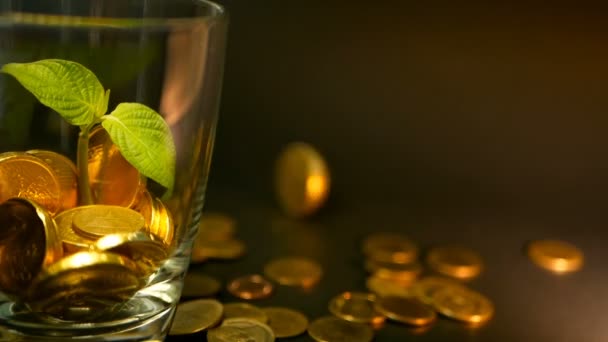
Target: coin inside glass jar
95,221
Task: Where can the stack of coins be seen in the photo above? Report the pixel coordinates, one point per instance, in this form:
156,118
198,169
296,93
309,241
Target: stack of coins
70,260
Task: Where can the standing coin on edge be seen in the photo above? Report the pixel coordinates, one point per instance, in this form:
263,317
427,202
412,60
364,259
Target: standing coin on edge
302,180
294,271
286,322
455,261
197,315
333,329
556,256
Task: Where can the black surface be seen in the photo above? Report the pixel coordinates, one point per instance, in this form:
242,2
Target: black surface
475,123
531,304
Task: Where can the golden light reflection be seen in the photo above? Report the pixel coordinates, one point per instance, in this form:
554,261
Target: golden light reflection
316,187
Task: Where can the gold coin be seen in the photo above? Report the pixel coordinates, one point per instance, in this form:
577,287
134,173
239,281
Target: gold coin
463,304
250,287
200,285
425,289
28,243
66,174
147,252
158,219
197,315
403,273
301,179
95,221
390,248
356,307
114,181
386,287
333,329
227,250
244,310
286,322
455,261
556,256
241,329
83,280
406,310
72,242
294,271
26,176
216,227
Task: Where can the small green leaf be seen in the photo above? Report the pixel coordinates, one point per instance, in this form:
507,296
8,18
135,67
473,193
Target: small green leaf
67,87
144,139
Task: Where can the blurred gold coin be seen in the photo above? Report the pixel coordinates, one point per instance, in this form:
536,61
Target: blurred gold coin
26,176
241,329
406,310
114,181
425,289
197,315
286,322
66,174
463,304
216,227
147,252
28,243
252,286
84,279
302,180
158,219
200,285
244,310
390,248
333,329
403,273
455,261
72,242
227,250
556,256
95,221
356,307
294,271
386,287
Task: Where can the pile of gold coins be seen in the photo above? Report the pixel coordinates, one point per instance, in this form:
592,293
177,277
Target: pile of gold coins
70,260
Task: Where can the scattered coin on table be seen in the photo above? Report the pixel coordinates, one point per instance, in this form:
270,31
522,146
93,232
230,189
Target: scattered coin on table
252,286
244,310
335,329
463,304
294,271
241,329
556,256
286,322
406,310
455,261
390,248
197,315
200,285
356,307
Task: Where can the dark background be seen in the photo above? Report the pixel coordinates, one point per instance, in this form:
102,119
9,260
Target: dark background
479,124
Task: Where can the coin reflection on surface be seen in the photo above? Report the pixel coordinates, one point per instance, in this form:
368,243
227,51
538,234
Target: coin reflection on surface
114,181
27,176
28,243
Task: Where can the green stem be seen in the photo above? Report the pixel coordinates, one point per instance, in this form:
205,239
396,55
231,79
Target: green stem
84,188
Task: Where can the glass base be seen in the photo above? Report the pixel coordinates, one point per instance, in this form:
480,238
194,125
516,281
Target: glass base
147,316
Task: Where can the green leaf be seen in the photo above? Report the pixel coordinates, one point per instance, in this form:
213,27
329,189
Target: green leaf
144,139
68,87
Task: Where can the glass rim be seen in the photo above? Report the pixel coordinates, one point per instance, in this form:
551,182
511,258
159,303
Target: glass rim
218,13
